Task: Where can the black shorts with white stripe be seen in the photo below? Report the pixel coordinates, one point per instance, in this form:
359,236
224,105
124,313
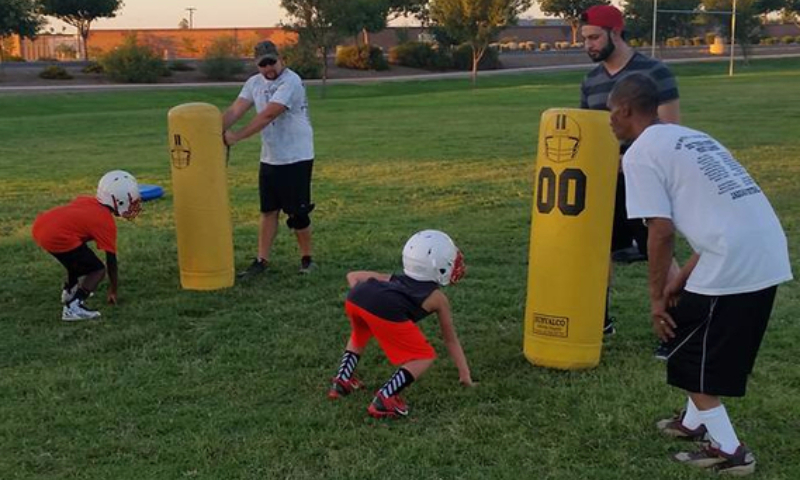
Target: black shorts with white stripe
717,341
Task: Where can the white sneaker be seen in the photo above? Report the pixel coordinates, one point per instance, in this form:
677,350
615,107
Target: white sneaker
76,311
67,294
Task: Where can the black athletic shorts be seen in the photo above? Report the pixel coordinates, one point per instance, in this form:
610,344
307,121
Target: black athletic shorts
285,187
717,341
80,261
625,230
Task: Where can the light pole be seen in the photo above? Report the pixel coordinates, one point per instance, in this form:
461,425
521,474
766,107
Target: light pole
733,39
191,16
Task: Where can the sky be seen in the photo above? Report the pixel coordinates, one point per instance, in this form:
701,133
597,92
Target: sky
208,14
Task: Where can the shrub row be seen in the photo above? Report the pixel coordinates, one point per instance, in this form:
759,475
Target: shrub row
303,60
428,56
786,39
361,57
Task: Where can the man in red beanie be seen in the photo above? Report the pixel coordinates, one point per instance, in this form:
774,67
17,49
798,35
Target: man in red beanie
604,40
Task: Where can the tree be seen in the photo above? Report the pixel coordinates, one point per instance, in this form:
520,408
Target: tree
569,10
318,22
476,22
792,11
639,18
183,24
408,8
80,14
363,17
19,17
748,20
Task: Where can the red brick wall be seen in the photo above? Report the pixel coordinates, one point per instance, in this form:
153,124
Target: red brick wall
177,43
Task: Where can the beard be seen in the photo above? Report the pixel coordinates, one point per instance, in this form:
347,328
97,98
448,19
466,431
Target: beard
603,54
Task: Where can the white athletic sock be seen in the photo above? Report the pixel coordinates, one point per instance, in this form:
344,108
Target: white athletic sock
691,419
720,429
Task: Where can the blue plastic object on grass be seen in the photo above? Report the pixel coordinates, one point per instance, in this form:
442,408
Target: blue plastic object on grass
150,192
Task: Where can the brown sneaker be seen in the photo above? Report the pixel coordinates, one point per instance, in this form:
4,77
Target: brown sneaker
739,463
673,427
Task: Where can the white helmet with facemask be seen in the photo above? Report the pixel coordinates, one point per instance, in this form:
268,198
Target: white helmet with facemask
431,256
119,191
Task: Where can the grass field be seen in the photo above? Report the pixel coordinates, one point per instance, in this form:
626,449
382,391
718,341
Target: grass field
231,384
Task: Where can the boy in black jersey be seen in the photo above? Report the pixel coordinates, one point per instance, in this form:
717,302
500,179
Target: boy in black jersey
387,307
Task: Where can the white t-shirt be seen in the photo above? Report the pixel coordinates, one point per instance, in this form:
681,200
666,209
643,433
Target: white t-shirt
289,138
685,175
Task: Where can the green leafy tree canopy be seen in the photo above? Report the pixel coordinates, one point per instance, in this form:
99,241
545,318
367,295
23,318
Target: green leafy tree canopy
81,13
639,18
19,17
476,22
569,10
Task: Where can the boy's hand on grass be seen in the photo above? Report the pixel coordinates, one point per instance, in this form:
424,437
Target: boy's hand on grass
112,298
468,382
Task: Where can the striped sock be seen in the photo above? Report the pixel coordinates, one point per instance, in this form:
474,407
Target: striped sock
400,380
348,366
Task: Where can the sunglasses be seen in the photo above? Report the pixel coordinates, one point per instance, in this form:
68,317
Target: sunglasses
267,62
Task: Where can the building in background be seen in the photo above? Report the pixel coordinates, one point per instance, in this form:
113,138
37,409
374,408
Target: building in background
171,43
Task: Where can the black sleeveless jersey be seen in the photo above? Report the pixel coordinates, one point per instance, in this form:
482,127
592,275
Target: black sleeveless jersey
396,300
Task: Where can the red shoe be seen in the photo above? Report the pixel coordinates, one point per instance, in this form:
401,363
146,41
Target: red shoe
387,407
343,388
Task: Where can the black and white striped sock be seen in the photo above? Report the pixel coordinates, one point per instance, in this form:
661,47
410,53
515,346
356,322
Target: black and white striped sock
348,366
400,380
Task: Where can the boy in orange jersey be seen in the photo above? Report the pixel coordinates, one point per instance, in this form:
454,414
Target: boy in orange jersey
64,232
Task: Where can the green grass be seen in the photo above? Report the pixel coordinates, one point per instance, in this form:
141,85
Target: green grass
231,384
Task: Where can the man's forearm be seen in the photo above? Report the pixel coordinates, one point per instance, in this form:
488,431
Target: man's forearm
660,244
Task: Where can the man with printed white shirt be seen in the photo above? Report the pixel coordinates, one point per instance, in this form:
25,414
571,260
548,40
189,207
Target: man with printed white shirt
715,312
287,152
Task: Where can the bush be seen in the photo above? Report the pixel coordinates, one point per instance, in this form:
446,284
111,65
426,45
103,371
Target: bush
54,72
462,58
14,58
634,42
221,60
180,66
93,67
366,57
544,46
419,55
768,41
66,51
303,61
697,41
710,37
787,39
797,39
676,42
133,63
47,59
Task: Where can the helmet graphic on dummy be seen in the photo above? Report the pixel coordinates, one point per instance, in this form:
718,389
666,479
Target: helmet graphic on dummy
431,256
119,191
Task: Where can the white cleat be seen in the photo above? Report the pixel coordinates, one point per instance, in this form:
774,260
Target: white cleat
77,311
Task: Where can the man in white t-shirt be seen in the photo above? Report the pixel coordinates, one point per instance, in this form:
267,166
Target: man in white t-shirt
715,312
287,151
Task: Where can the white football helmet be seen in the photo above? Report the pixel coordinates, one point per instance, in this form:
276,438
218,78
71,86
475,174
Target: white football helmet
119,190
431,256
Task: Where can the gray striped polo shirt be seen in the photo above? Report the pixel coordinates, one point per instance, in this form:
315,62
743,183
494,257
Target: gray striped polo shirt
597,84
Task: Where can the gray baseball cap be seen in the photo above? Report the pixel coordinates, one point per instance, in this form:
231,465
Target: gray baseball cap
265,49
